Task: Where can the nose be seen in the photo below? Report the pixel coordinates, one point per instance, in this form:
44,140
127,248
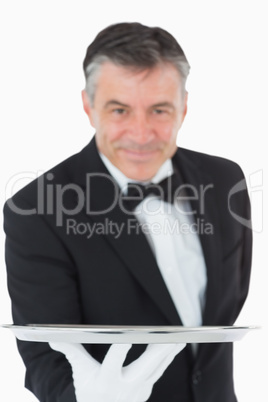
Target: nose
141,131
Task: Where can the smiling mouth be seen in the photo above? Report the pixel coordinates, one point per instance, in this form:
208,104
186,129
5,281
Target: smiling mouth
139,154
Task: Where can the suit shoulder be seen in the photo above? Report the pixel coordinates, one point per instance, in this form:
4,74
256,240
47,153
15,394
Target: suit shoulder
212,164
60,173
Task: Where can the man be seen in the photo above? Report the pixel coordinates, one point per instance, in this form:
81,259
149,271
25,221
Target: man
83,247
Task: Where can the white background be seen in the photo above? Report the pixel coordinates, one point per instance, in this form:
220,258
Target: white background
42,121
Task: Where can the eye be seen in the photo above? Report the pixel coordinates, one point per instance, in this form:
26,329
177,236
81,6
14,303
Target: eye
159,111
119,111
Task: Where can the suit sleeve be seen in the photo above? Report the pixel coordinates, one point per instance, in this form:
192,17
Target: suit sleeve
43,289
239,230
246,259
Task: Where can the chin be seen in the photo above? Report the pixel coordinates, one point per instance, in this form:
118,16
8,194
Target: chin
140,173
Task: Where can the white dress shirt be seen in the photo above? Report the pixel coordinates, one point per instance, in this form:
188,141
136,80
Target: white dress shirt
175,244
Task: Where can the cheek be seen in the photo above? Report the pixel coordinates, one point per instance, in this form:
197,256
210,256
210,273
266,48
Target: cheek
166,131
116,131
108,131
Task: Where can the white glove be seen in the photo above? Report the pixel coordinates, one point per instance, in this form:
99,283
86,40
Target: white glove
109,381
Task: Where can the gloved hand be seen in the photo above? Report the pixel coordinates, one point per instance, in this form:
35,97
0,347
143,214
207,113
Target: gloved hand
109,381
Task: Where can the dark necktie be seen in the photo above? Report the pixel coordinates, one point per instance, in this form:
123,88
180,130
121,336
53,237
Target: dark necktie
165,190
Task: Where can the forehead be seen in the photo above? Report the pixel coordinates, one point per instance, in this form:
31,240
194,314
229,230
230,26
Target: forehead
161,80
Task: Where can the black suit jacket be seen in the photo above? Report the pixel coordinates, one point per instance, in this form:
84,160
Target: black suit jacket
56,274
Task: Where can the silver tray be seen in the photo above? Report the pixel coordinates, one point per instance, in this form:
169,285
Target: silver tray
127,334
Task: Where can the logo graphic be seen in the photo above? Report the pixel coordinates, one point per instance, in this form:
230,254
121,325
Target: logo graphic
256,197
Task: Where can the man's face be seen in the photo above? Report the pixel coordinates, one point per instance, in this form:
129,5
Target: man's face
137,116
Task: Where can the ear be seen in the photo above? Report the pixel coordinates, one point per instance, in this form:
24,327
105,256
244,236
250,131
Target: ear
87,106
185,106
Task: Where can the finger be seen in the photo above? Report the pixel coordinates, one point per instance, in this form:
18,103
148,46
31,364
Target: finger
152,358
76,354
115,357
163,365
70,349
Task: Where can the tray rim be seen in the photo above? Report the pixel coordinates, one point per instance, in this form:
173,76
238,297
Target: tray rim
126,328
107,334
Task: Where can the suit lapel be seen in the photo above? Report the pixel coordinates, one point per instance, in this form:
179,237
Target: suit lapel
207,221
131,245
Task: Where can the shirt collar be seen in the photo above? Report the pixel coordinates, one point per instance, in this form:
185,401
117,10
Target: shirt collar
164,171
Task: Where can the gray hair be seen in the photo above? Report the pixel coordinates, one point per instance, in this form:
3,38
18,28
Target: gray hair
135,46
